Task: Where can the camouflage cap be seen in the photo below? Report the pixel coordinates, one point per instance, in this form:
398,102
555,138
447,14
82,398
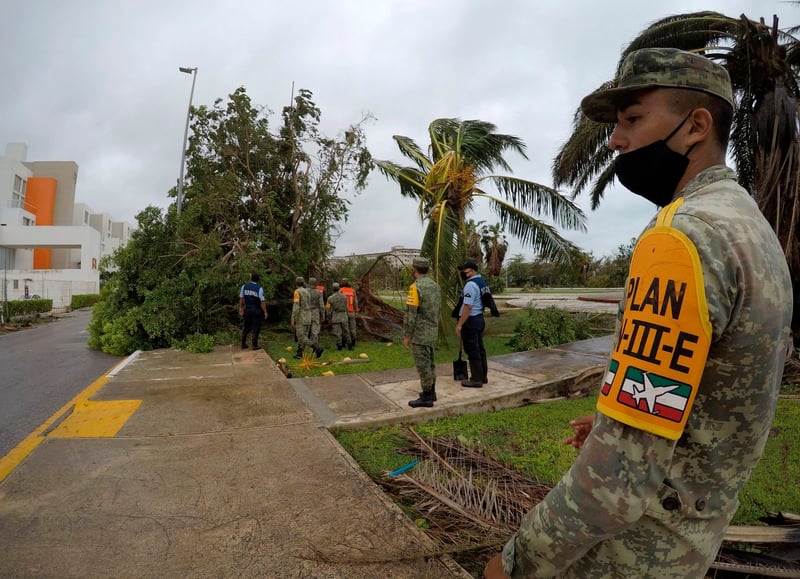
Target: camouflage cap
658,67
312,280
299,280
335,285
420,261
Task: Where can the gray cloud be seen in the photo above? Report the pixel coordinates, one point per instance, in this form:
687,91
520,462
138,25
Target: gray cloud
97,82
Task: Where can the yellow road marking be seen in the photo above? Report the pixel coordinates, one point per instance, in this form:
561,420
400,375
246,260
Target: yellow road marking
20,452
96,419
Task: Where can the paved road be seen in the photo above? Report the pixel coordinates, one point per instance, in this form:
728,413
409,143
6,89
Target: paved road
41,369
574,301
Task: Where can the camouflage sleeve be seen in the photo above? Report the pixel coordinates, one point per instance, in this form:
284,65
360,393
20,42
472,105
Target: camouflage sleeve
295,305
720,266
608,488
412,307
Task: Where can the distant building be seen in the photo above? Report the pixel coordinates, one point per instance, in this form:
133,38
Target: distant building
50,245
397,257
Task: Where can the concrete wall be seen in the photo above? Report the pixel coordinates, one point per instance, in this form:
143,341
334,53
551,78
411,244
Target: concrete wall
56,237
58,285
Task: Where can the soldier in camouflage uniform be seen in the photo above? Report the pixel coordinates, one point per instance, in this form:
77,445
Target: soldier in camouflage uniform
687,402
318,316
420,329
337,306
303,310
352,307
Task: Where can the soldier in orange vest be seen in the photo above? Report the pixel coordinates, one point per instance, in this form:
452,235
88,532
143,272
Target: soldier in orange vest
352,308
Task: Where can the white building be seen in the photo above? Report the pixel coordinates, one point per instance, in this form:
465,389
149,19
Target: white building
50,246
397,257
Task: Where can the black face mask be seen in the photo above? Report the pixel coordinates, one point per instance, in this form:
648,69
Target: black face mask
653,171
464,275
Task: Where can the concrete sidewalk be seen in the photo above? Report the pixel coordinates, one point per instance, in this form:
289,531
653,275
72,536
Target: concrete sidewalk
215,465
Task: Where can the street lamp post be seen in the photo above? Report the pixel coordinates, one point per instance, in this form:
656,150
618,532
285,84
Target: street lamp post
193,72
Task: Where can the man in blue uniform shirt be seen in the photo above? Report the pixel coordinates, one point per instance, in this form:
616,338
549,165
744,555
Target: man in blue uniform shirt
253,307
471,324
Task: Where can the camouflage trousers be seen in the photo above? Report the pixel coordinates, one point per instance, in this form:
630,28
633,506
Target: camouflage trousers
304,336
351,325
426,367
314,332
342,332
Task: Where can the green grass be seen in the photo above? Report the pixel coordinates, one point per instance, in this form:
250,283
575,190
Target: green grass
774,485
529,439
279,343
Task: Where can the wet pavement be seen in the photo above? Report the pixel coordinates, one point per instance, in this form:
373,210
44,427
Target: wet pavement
216,465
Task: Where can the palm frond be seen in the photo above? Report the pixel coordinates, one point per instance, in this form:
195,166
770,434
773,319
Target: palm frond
475,141
411,151
540,200
541,237
689,31
411,180
584,155
603,181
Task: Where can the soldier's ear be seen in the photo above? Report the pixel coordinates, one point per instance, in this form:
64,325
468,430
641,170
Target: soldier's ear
701,127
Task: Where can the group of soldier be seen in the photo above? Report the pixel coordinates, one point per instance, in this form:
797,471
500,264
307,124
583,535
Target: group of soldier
310,310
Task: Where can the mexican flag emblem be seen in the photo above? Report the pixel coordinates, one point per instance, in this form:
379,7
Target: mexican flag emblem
653,394
611,373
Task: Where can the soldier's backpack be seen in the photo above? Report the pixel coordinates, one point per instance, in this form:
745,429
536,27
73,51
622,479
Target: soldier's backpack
486,298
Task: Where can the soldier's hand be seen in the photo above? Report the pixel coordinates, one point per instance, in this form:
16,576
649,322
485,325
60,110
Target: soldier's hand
580,428
494,568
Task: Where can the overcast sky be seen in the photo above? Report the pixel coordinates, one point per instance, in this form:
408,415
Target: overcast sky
97,82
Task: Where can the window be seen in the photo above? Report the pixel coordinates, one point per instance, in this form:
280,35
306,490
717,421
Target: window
15,284
86,217
27,222
17,184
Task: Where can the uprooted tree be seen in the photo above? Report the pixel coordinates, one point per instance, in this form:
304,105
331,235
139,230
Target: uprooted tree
255,200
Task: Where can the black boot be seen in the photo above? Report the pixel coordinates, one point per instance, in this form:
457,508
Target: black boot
318,352
433,393
351,345
299,353
425,400
485,364
339,347
476,378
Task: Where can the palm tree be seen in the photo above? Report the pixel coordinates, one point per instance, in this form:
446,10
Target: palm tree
764,64
473,229
495,246
450,179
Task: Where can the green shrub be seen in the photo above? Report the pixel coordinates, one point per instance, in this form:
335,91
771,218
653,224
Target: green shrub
29,307
543,328
497,284
83,301
197,343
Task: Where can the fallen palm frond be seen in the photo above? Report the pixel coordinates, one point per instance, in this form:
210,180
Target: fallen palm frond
463,496
466,501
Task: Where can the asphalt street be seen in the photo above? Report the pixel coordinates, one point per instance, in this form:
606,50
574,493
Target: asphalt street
41,369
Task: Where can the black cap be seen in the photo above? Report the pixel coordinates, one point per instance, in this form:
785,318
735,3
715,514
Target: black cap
469,264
